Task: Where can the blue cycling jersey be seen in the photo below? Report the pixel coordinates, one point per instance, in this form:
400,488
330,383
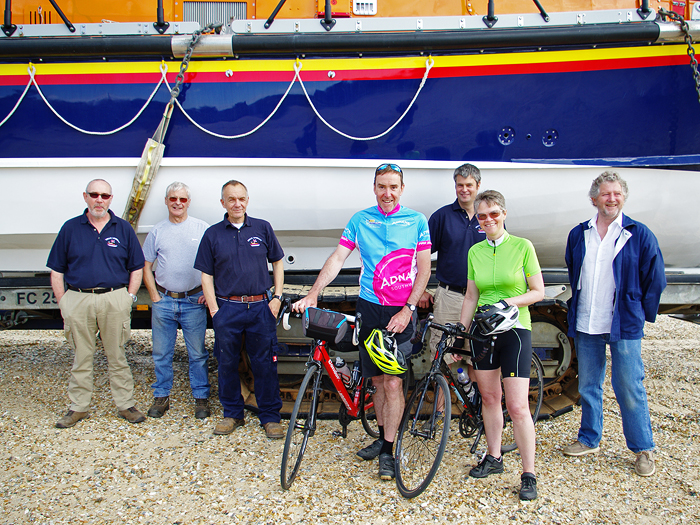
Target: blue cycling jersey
388,244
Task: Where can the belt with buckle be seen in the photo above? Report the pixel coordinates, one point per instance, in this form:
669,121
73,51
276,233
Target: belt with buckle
453,288
95,290
246,298
178,295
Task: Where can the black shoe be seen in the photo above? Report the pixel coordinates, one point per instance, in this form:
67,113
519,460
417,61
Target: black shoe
371,451
386,466
159,407
528,489
201,408
488,465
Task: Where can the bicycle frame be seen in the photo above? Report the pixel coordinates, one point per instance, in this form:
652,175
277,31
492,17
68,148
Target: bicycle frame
322,358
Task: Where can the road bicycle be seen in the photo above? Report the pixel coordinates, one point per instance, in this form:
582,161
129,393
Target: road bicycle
425,426
356,396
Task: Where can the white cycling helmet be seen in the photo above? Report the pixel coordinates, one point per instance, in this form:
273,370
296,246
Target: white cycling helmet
496,318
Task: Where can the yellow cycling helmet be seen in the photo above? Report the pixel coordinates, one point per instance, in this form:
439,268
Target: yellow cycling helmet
384,352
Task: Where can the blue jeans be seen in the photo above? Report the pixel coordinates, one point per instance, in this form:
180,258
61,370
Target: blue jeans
627,381
255,322
192,317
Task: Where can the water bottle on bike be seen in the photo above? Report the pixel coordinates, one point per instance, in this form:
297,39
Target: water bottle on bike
344,371
467,384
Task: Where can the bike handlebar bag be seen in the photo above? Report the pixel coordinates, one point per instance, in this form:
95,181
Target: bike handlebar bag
325,325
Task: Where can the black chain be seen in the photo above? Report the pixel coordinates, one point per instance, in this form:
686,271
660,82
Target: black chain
676,17
210,28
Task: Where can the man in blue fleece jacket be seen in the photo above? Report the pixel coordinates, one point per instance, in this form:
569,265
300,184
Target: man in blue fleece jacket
616,272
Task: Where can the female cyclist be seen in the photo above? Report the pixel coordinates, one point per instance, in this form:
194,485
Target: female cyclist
504,271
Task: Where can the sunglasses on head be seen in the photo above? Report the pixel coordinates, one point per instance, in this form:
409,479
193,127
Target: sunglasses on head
394,167
493,214
175,199
94,195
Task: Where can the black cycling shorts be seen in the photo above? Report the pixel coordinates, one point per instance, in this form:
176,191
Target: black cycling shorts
378,316
512,353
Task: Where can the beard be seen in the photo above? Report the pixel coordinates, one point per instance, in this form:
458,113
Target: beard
98,214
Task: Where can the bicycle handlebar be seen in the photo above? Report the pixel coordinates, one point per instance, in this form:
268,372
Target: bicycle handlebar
454,330
286,311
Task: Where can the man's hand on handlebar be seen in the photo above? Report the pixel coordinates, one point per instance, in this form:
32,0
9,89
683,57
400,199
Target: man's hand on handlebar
305,302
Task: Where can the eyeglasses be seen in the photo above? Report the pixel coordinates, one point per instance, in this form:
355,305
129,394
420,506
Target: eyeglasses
382,167
493,214
105,196
175,199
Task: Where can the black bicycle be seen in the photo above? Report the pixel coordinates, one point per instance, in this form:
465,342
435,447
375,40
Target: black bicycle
425,425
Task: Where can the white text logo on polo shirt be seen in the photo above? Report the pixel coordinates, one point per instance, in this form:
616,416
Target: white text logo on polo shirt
112,242
254,242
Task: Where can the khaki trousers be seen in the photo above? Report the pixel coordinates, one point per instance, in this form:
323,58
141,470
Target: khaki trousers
446,309
85,314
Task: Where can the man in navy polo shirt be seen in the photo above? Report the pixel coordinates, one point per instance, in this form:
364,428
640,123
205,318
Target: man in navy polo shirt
233,258
453,230
97,256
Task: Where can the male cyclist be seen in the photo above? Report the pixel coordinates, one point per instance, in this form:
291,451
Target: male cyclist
394,246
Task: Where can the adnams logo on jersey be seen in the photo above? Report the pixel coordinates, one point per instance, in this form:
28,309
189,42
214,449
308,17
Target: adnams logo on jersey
393,277
373,223
112,242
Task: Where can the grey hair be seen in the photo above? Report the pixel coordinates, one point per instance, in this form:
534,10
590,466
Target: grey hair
233,183
87,188
607,176
490,197
468,170
177,186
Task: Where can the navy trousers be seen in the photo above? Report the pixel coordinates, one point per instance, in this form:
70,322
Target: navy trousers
256,322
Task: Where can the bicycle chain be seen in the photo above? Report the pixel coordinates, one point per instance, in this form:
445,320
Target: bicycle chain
676,17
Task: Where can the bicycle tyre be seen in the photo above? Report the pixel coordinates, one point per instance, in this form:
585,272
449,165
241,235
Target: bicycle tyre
367,414
536,385
419,450
302,425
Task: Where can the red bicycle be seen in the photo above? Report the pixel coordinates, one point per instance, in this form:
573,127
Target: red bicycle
324,326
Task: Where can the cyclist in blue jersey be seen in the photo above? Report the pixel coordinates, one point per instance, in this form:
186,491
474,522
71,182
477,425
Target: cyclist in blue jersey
394,246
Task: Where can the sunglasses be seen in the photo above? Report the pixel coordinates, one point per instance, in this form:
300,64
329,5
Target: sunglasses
175,199
493,214
105,196
394,167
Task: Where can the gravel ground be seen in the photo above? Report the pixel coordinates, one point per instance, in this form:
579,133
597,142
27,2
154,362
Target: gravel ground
173,470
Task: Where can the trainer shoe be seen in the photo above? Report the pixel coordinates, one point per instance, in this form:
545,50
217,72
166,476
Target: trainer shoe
371,451
273,430
228,425
132,415
387,469
489,465
159,407
644,465
201,408
528,486
71,418
579,449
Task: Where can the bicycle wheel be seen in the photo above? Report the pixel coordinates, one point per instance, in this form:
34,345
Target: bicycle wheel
367,413
422,436
302,425
536,394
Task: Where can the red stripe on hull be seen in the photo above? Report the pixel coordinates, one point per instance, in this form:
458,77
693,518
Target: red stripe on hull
349,75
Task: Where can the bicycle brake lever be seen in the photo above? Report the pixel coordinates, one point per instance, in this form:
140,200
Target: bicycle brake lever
356,331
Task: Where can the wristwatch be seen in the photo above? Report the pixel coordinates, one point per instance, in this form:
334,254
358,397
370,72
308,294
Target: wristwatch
277,297
411,307
133,297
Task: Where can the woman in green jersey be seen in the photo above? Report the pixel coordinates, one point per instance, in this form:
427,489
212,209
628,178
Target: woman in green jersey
503,271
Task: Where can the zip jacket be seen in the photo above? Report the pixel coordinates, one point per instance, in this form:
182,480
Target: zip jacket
638,270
